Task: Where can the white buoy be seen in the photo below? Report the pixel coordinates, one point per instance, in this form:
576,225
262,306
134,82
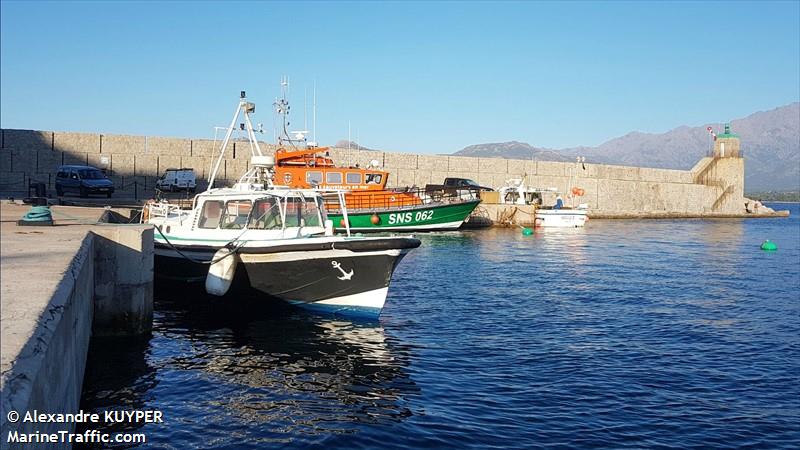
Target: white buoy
220,274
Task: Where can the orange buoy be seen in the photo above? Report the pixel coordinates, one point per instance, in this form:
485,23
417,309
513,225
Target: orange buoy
375,219
575,190
580,192
342,223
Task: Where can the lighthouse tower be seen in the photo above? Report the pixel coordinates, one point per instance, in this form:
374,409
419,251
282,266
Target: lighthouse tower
726,145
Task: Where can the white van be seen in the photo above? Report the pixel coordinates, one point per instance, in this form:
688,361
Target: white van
177,180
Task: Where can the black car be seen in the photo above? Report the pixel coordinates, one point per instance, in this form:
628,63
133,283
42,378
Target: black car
83,180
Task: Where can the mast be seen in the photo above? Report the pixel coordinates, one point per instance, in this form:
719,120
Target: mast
314,113
242,101
244,107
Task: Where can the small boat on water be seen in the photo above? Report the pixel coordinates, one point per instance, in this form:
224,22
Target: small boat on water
562,217
372,207
554,215
276,241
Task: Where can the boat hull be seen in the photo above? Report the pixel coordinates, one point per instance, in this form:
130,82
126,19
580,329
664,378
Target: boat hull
560,218
352,280
414,218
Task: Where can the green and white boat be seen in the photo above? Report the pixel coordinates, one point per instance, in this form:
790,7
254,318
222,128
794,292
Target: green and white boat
432,213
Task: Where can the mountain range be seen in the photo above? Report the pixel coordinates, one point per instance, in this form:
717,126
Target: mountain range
770,141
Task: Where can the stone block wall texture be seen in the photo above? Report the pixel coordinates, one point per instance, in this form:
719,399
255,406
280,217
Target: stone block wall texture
713,185
169,146
122,144
145,165
203,147
30,140
76,142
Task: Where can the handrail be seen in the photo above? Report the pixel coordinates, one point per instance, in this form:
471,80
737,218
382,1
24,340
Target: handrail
401,199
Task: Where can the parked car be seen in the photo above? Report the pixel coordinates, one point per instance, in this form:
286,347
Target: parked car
177,180
83,180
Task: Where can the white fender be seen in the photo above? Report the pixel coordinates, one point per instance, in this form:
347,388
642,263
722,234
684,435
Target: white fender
220,274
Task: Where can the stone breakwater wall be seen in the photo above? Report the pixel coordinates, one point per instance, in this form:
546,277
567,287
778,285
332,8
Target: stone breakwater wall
714,185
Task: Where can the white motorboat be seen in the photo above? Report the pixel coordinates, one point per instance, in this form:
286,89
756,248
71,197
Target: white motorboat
563,217
274,241
516,192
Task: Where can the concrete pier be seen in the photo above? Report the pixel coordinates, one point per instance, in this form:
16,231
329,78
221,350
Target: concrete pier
60,285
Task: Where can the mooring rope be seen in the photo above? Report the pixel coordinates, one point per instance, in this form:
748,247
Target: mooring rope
233,249
38,214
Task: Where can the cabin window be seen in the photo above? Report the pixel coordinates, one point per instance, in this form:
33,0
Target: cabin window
353,178
302,213
209,216
333,178
236,214
311,215
314,177
374,178
266,215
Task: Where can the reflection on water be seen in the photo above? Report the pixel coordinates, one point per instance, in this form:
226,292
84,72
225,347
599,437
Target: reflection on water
284,371
723,232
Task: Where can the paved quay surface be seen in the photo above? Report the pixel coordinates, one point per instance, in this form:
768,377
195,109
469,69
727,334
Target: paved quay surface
33,261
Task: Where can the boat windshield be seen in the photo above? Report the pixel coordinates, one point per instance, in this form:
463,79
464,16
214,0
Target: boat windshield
302,212
236,214
266,215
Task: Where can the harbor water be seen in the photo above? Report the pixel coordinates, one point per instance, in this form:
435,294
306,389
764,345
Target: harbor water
623,334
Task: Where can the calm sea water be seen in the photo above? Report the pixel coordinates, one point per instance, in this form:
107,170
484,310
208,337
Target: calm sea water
625,334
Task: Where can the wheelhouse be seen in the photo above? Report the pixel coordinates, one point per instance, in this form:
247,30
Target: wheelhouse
259,212
314,168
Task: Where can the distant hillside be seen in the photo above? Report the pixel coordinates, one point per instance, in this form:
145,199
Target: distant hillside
770,140
353,145
511,150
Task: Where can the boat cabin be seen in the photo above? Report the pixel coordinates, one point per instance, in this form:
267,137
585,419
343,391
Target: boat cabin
228,209
314,168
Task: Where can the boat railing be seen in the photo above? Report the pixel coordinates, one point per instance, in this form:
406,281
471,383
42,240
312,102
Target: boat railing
401,199
164,210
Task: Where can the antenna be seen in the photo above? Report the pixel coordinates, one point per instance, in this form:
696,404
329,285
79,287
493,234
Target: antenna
305,108
315,112
282,107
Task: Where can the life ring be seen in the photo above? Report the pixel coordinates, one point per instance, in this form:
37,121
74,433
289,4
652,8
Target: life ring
392,199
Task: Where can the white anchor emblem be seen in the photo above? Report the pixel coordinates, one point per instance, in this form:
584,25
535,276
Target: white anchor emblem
345,275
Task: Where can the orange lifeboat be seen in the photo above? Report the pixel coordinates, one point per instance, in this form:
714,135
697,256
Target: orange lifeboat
314,168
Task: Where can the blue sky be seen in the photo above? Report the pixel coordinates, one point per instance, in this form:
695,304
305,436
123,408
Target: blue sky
408,76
